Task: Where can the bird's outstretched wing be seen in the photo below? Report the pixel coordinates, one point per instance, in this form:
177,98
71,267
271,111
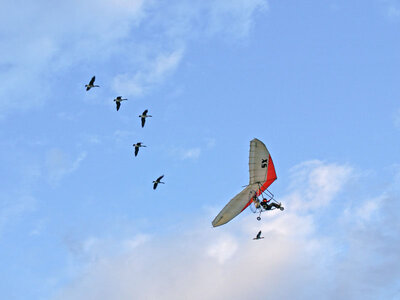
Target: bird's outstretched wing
92,80
155,185
136,150
118,105
145,112
259,234
143,121
159,178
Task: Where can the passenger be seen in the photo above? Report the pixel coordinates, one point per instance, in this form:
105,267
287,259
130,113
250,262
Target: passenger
267,204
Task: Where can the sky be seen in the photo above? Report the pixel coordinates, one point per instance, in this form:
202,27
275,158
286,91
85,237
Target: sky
316,81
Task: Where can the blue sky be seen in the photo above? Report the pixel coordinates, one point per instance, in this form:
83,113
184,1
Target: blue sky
316,81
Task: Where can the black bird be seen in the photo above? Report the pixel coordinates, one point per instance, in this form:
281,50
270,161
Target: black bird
118,101
144,115
91,84
156,182
258,237
137,146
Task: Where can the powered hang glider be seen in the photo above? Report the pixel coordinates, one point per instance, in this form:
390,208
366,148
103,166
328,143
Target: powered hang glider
262,175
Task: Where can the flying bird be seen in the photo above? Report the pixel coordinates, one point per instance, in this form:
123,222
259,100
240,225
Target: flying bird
156,182
118,101
144,115
91,84
258,237
137,146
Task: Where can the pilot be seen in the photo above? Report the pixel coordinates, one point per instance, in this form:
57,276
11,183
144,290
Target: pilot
267,204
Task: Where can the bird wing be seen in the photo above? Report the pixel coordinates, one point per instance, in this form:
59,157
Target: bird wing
87,88
143,121
118,105
155,185
159,178
136,150
259,234
92,80
145,112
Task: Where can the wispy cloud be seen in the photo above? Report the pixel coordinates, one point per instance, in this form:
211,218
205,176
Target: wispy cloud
191,153
393,12
322,182
154,72
183,153
189,20
239,14
211,142
92,249
60,164
391,9
224,249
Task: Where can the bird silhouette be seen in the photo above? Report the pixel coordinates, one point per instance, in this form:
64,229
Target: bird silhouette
157,181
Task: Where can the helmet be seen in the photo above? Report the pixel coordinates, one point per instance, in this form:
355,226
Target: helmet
264,200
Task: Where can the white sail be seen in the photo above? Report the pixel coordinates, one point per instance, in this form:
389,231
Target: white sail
258,162
234,207
262,174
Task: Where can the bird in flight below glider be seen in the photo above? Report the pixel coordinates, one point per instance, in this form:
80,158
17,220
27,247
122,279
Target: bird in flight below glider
258,237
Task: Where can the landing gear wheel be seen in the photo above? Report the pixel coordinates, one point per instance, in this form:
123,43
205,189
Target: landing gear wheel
258,218
281,208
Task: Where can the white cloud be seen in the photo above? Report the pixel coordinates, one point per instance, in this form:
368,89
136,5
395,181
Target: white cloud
300,258
60,164
37,228
223,249
394,12
154,73
183,153
237,13
189,20
321,183
92,249
211,142
368,208
193,153
391,8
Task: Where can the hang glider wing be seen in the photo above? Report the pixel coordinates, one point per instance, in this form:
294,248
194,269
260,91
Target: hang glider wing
261,167
262,174
233,208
